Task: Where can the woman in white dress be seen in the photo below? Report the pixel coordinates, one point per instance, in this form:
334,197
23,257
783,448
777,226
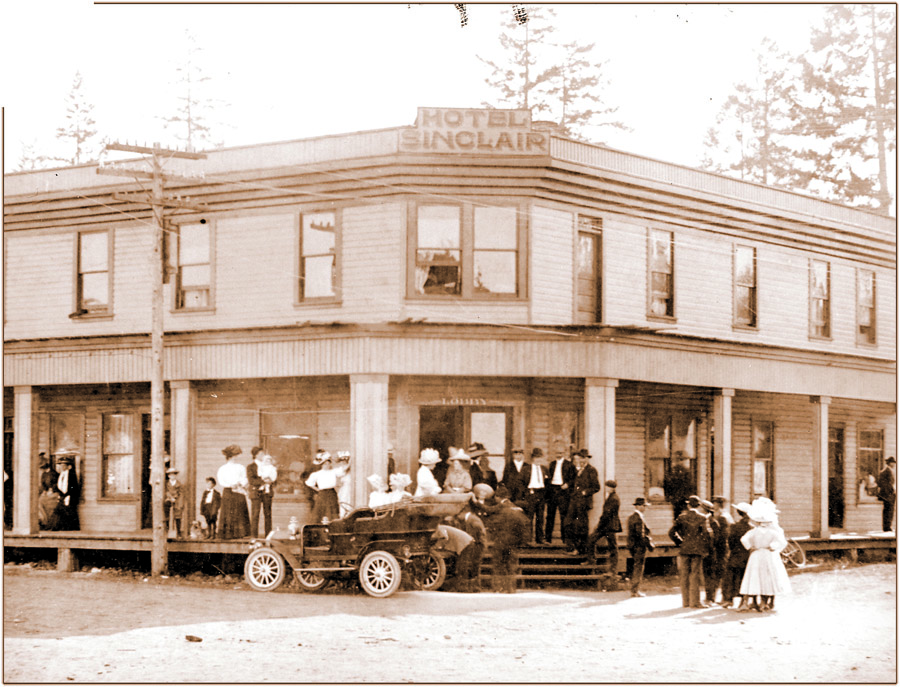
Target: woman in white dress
399,481
234,517
380,496
324,483
344,483
765,575
426,484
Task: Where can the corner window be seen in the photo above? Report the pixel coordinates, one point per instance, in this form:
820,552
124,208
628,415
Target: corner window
869,459
671,442
745,295
763,460
661,262
466,251
118,468
287,437
93,293
865,307
318,256
819,299
193,281
588,280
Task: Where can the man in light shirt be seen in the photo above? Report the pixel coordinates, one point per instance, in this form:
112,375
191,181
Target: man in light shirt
535,496
558,489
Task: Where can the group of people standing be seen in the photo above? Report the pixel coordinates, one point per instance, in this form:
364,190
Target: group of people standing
742,558
60,492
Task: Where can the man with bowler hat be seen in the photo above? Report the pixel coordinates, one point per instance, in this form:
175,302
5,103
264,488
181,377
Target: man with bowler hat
738,555
639,543
585,484
559,488
691,533
607,527
535,496
887,492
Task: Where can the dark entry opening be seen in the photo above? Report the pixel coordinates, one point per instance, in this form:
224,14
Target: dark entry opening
146,488
8,476
836,477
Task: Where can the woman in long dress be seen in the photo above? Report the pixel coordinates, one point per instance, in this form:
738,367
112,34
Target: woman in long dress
765,575
426,484
458,480
234,516
324,483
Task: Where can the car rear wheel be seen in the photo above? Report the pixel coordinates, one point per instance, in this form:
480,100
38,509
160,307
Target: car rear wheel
310,581
264,570
435,572
379,574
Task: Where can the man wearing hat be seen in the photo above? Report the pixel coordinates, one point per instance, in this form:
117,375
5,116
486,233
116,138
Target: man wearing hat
559,487
475,451
585,484
639,543
173,503
535,496
738,554
692,534
516,474
887,492
714,564
69,491
607,527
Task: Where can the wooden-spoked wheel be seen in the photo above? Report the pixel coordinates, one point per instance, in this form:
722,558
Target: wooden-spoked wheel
264,570
310,581
793,555
379,574
435,572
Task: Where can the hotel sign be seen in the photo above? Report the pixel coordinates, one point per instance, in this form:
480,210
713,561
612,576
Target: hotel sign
454,130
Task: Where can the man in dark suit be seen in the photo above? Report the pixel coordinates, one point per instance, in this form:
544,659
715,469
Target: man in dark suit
692,534
678,484
535,496
887,492
738,556
607,528
585,484
507,529
516,474
260,491
69,491
559,488
714,564
209,507
639,543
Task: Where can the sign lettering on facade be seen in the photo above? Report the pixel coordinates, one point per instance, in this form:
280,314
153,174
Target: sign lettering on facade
454,130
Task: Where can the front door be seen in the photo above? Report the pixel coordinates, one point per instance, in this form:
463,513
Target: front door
443,426
836,477
146,488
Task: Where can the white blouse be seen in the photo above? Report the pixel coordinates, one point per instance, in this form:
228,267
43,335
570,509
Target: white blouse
426,484
324,479
232,475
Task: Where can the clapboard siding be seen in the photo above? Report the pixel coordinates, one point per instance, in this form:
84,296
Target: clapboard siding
861,513
552,265
624,271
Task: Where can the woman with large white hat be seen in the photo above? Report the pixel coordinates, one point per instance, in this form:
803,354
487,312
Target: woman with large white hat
459,480
765,575
426,484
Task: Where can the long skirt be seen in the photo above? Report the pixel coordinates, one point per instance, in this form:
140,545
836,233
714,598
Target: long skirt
234,518
765,574
325,505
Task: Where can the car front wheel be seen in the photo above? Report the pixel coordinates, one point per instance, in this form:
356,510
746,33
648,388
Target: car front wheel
264,570
379,574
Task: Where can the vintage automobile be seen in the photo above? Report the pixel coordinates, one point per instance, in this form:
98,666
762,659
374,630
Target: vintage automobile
378,546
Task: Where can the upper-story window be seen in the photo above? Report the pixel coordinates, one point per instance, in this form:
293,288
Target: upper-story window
93,288
318,256
588,279
745,287
661,268
466,250
865,307
193,281
819,299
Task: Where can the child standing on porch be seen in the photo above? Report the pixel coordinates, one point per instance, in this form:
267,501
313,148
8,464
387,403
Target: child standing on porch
209,507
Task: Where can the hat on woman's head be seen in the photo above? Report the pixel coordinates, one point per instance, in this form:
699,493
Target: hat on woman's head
429,456
321,457
476,450
232,450
343,456
742,507
400,480
461,456
376,481
763,510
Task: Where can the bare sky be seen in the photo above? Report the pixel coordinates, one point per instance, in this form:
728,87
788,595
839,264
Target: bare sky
297,71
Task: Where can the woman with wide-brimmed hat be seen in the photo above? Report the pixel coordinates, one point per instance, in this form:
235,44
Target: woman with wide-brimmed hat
765,575
459,480
324,482
426,484
234,516
69,489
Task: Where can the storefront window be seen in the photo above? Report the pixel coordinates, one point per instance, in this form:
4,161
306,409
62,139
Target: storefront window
763,459
118,454
286,436
869,459
671,443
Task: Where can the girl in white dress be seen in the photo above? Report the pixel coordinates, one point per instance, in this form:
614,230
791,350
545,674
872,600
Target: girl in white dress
765,574
426,484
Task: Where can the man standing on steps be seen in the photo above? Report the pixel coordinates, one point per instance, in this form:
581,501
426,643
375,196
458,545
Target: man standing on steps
607,528
585,484
559,487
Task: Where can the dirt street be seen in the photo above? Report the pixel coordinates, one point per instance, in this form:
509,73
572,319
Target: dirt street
838,625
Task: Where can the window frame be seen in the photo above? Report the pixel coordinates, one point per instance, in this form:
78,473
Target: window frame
78,310
862,495
136,458
173,252
814,299
670,315
754,289
862,339
467,252
669,415
309,433
596,230
770,461
299,298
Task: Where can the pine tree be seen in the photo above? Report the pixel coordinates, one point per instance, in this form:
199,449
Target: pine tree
851,78
516,80
193,121
30,159
575,85
80,127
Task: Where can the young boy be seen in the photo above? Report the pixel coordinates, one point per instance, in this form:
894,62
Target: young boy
209,507
174,502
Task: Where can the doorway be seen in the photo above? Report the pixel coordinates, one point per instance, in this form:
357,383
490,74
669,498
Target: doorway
8,489
146,488
443,426
836,477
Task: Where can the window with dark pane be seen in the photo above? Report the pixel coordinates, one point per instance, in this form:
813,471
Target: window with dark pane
763,459
317,255
662,294
870,455
286,435
588,280
438,250
745,310
93,271
865,306
118,454
820,299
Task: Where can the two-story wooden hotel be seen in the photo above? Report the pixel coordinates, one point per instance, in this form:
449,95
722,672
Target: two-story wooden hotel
470,278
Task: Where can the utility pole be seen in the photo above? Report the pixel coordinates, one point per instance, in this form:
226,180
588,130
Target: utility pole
158,203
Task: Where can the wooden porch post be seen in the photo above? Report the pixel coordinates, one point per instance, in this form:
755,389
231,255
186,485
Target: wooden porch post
722,483
183,444
25,518
600,432
368,431
820,465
